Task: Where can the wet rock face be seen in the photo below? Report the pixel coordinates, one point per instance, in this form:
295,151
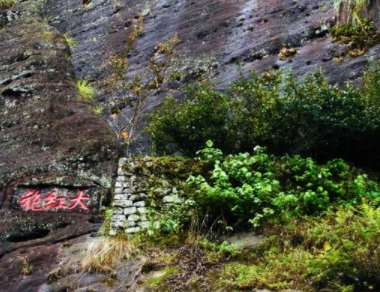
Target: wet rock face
48,139
236,37
57,158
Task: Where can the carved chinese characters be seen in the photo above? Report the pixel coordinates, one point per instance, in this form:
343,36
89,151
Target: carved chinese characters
53,200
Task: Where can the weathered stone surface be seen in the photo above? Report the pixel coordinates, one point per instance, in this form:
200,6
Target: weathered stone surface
155,184
137,197
118,219
142,210
129,211
52,146
245,240
139,204
233,37
130,224
120,184
133,217
143,218
118,190
122,178
144,224
47,136
117,211
37,238
49,140
123,203
171,199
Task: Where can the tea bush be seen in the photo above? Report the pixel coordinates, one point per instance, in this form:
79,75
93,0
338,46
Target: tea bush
244,190
187,125
308,117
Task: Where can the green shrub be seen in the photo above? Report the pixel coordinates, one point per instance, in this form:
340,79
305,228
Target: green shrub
244,189
70,41
188,124
308,117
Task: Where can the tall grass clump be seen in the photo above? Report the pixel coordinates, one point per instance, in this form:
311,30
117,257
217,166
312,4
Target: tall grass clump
104,253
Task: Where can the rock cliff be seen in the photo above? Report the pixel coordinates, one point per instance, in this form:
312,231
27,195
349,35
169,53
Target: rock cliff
57,155
234,38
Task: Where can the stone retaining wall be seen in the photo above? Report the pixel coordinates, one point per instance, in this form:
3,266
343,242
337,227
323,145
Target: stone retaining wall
129,210
148,186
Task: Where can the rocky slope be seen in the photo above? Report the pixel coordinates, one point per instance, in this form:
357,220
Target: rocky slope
53,146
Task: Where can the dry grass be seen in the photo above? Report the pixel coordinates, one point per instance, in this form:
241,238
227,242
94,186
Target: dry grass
104,253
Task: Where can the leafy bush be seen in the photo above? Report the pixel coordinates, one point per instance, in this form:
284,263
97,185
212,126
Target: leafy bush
351,241
244,189
308,117
188,124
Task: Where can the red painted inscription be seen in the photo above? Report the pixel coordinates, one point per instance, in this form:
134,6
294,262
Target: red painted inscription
33,200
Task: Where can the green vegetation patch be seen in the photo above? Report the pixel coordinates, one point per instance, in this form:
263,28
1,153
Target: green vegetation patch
85,90
227,193
245,190
338,252
308,117
157,281
358,38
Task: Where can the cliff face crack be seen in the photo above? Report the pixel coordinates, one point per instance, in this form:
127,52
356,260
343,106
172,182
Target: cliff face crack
24,74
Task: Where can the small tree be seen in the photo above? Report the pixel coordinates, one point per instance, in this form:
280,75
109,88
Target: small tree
144,84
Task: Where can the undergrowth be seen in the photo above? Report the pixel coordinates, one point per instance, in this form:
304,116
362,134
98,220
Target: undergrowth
358,38
247,191
338,252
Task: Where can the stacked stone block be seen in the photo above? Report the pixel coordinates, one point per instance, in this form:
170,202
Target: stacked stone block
154,182
129,206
